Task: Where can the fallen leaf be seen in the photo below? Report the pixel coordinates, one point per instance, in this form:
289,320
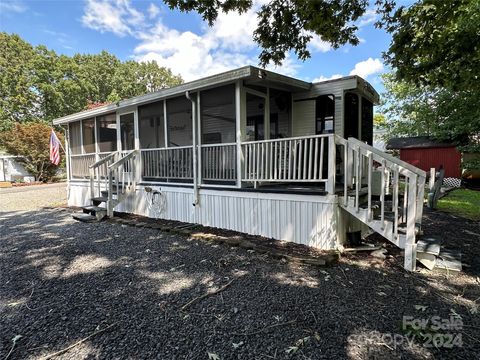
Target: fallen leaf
213,356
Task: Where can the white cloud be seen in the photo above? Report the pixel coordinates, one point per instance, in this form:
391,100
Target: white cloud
12,6
226,45
324,78
116,16
317,44
368,18
153,11
367,68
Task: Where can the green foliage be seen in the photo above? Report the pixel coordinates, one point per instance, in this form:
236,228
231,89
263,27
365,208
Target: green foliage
436,43
31,141
442,113
36,83
17,97
289,25
462,202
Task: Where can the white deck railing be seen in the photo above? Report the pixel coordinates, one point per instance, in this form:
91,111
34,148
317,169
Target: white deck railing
406,188
299,159
168,163
219,162
79,165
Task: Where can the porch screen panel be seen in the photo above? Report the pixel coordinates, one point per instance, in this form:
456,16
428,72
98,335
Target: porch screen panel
75,138
218,115
107,133
280,113
127,132
88,129
255,118
151,126
179,121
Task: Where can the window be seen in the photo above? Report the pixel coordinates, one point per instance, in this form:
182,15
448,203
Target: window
127,134
351,113
218,115
325,114
88,131
75,138
179,120
151,126
367,121
107,133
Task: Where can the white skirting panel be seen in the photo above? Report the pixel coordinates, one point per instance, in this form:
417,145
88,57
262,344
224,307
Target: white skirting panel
306,219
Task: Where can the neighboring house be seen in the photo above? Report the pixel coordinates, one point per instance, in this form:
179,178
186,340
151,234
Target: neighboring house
425,153
11,170
247,150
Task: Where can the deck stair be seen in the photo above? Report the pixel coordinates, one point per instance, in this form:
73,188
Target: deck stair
398,220
112,179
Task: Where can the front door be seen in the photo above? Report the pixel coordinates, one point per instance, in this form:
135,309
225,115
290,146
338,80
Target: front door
127,131
351,119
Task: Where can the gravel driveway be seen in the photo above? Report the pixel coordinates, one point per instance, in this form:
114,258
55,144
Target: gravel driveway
139,293
32,197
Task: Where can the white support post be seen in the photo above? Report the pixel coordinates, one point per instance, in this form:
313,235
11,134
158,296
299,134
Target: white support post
410,244
332,164
137,160
199,139
97,146
266,124
165,122
239,131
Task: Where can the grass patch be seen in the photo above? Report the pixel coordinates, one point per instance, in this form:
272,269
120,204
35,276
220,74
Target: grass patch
462,202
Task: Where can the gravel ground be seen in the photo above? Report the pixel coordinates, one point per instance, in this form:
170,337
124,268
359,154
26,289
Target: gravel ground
32,197
63,281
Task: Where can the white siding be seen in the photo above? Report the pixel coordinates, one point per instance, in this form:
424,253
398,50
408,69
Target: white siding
304,219
303,118
306,125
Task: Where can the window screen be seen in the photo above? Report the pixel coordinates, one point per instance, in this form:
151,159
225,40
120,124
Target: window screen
151,126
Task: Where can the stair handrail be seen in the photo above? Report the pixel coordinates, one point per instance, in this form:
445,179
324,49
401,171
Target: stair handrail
104,160
362,155
387,157
115,169
95,174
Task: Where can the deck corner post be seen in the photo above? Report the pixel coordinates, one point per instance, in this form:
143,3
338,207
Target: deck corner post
330,186
410,242
239,127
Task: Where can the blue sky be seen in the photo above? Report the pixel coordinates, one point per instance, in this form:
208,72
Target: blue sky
148,30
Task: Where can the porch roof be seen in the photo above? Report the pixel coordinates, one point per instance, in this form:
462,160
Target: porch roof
243,73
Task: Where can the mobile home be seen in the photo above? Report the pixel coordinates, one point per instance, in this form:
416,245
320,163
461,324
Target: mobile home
248,150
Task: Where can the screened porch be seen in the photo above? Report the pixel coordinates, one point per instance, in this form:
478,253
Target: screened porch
234,135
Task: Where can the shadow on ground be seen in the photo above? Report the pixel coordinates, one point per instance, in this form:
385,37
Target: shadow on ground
62,281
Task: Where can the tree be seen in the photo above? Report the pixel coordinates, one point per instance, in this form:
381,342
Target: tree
445,114
39,85
436,43
18,100
31,142
289,25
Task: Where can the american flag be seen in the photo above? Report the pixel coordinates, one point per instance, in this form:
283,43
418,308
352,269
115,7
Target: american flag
54,148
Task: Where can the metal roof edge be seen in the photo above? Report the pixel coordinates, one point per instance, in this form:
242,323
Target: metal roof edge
224,77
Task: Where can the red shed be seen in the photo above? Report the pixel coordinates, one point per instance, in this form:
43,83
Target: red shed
425,153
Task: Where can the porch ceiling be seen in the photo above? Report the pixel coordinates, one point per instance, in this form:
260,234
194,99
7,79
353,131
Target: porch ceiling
250,73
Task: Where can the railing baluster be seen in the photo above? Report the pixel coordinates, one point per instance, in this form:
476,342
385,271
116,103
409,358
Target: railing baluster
322,146
369,186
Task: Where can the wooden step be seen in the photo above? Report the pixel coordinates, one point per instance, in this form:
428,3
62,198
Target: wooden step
80,216
98,200
429,245
449,260
98,212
